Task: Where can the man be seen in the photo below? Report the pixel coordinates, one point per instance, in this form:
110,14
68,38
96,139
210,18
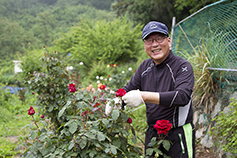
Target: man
165,83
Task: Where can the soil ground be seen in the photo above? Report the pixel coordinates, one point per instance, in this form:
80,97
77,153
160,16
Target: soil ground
201,152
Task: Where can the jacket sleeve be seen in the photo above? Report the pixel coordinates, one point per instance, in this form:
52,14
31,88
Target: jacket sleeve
183,88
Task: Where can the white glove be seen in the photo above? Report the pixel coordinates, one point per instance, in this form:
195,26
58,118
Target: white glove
133,98
109,108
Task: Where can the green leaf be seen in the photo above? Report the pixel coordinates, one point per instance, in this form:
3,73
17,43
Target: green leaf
100,136
117,143
63,109
105,122
107,150
34,134
71,145
51,90
72,127
134,139
83,142
113,149
149,151
115,114
44,123
166,145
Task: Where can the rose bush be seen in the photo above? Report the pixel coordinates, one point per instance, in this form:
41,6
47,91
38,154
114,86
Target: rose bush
74,123
162,127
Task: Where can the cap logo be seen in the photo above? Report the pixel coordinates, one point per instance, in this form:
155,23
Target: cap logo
152,26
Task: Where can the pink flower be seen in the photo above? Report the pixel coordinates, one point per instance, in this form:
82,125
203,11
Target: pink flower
42,116
31,111
120,92
162,126
129,120
72,87
33,93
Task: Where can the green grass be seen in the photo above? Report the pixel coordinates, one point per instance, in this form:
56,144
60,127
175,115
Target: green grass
12,135
13,118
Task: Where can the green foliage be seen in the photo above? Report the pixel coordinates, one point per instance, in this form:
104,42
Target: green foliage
154,144
193,5
224,132
51,96
33,23
111,42
7,75
120,76
205,86
75,124
143,11
98,69
139,122
13,117
6,148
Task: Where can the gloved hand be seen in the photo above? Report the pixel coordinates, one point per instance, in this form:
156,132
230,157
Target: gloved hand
109,108
133,98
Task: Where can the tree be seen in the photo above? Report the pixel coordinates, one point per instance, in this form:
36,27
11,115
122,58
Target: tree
143,11
194,5
108,41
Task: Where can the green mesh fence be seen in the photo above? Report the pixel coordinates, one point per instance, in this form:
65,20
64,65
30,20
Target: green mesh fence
215,28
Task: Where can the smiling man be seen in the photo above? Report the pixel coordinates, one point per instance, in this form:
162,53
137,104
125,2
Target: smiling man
164,82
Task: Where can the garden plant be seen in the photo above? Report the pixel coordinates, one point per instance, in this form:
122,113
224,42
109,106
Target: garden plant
74,123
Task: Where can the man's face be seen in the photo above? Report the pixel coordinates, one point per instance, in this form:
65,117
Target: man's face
157,49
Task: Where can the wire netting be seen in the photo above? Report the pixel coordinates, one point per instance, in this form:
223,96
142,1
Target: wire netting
215,28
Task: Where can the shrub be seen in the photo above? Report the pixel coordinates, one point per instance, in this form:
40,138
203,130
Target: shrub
224,132
108,41
74,122
205,86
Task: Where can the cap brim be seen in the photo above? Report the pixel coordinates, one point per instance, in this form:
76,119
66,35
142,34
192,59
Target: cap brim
153,32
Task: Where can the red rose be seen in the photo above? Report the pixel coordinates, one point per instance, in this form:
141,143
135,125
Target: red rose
42,116
102,87
72,88
120,92
31,111
129,120
97,104
162,126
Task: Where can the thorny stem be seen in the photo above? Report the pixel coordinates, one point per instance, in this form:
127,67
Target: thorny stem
36,123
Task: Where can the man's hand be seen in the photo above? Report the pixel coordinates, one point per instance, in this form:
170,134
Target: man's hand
133,98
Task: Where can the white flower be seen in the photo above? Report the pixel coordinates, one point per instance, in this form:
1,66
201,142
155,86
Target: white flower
97,77
101,77
129,69
98,81
110,79
105,79
123,72
81,63
112,92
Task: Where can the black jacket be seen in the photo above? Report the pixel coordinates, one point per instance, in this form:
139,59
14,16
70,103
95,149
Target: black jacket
174,80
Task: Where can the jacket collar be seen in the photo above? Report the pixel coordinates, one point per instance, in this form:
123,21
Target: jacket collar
169,57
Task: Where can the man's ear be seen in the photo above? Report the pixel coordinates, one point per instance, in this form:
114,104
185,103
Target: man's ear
169,41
